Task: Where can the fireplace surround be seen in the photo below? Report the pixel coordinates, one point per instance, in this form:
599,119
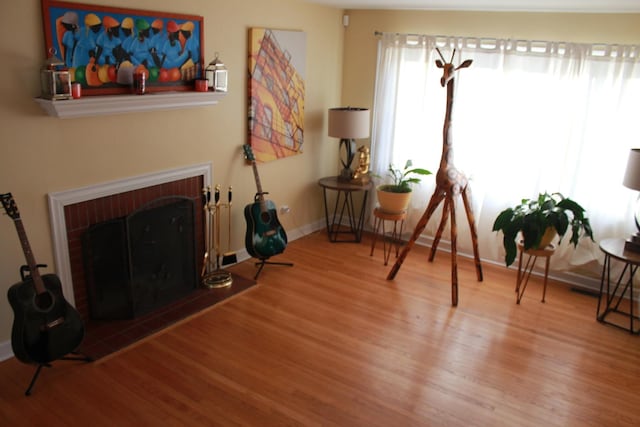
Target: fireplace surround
72,212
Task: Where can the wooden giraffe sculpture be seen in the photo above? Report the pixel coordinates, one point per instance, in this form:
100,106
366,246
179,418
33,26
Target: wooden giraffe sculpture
449,183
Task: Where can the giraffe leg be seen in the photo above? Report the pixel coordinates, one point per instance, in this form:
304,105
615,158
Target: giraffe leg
454,250
443,223
474,233
435,200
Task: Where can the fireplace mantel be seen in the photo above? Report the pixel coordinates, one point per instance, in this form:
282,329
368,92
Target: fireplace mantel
121,104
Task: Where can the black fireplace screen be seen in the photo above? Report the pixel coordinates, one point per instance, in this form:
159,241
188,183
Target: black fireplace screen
143,261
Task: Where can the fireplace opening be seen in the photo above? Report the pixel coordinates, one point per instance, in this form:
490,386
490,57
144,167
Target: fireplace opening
142,261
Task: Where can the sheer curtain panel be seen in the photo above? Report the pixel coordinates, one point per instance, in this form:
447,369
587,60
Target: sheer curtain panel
529,117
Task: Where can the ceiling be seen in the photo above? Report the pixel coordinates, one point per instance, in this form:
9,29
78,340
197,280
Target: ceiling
583,6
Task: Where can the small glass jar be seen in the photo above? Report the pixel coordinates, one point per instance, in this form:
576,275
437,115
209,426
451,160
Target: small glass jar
140,83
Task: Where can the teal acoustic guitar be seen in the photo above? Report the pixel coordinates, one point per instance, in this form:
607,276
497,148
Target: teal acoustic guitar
265,236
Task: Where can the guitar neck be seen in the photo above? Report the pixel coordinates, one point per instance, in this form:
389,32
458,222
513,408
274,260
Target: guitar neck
28,254
259,194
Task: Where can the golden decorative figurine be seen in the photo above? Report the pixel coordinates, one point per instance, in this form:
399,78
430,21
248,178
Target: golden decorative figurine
361,174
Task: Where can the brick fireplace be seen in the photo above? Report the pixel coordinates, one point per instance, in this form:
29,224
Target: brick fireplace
72,212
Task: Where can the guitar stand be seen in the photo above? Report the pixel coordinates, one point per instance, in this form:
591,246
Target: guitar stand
264,261
79,356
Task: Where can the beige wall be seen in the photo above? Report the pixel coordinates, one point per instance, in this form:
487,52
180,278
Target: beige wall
41,154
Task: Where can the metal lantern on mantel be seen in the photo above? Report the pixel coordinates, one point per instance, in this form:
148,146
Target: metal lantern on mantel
55,79
216,75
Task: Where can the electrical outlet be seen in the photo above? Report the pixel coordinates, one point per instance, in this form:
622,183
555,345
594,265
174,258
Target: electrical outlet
285,209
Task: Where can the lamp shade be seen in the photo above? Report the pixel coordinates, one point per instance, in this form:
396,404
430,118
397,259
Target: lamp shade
632,173
349,123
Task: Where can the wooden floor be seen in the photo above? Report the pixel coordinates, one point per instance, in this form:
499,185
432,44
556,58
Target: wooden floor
331,342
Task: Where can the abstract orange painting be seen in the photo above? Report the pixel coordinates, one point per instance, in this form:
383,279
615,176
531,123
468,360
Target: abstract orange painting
276,92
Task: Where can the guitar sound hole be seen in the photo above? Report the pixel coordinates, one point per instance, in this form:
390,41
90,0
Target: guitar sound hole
43,301
266,217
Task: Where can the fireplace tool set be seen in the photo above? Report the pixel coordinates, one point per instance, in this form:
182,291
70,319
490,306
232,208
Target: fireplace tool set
213,275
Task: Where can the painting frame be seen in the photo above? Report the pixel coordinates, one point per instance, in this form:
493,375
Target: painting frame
72,30
276,92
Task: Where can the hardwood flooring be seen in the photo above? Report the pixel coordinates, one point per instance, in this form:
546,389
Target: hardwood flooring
331,342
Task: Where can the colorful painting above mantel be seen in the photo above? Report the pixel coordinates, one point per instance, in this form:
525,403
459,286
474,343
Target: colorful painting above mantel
276,92
104,47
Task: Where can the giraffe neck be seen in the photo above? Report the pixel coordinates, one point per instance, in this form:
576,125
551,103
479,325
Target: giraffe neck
446,161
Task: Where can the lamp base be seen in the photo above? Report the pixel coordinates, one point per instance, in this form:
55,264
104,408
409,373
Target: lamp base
346,175
632,244
349,150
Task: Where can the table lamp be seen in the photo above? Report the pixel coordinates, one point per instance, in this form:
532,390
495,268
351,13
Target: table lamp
632,180
348,124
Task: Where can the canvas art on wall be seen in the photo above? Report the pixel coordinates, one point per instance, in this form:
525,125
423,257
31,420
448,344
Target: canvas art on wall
276,92
103,47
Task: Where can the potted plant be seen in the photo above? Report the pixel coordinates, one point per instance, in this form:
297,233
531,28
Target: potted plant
394,197
538,220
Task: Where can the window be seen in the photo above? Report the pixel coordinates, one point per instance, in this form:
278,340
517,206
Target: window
528,117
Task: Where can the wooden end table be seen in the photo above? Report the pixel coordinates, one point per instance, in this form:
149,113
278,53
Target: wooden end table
610,298
344,209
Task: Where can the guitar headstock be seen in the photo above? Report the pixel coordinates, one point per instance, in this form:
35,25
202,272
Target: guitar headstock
10,205
248,153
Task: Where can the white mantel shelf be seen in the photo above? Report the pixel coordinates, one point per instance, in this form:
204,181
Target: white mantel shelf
122,104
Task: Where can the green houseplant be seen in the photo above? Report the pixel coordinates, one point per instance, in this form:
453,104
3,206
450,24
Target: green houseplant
394,197
535,217
403,178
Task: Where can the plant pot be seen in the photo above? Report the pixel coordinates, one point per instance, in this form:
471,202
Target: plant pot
549,234
391,202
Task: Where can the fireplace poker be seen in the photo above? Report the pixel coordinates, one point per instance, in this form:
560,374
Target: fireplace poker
218,278
206,199
217,237
229,257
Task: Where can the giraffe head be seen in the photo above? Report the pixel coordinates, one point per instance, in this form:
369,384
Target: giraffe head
448,67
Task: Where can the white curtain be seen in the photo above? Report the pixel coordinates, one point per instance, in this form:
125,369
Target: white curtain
528,117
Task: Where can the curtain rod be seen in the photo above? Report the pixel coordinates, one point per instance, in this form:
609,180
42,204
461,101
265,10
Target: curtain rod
439,36
380,33
594,46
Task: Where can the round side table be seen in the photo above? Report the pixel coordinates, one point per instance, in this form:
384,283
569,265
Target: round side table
346,218
616,302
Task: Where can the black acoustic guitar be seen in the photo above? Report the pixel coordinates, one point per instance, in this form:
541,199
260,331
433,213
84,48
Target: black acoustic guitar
265,236
45,326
